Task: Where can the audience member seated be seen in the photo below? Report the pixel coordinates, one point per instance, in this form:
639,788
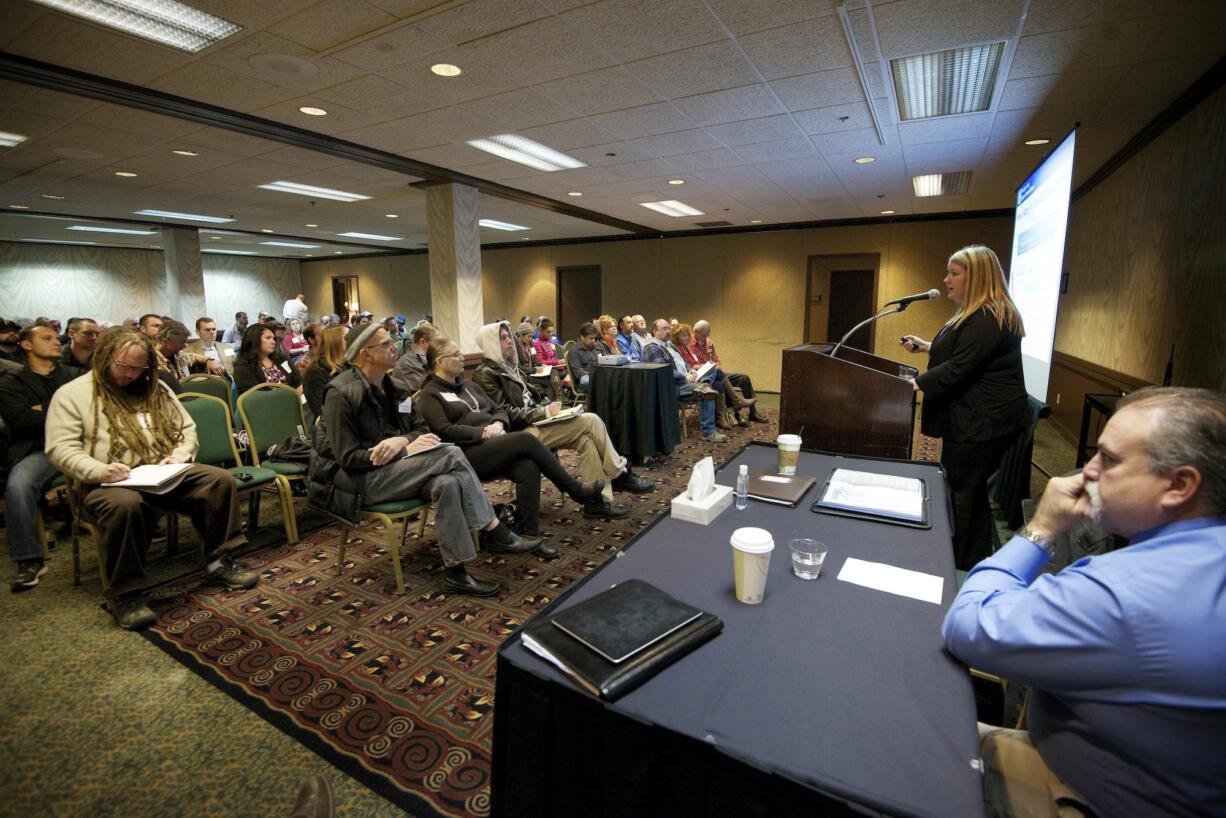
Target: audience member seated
607,343
119,416
551,334
82,340
725,398
703,350
174,358
625,339
150,323
546,348
24,398
583,355
206,347
312,334
259,361
410,371
1124,653
234,335
294,345
368,451
329,362
10,350
500,377
550,383
660,350
459,411
641,334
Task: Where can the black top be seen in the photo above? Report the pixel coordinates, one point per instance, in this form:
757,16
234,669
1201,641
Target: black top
457,412
24,397
523,406
66,357
249,373
581,360
974,389
314,380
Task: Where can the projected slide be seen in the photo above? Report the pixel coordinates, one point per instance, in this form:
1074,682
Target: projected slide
1038,259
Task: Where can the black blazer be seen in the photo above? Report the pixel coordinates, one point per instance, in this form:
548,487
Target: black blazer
458,420
24,397
974,389
247,372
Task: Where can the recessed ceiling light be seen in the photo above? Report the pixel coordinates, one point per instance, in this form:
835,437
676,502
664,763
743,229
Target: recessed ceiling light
163,21
755,221
185,153
9,140
84,228
957,81
289,244
575,193
373,236
444,69
337,252
672,207
865,160
127,174
215,238
191,217
676,181
311,190
312,111
391,215
51,196
941,184
230,252
494,224
526,152
1037,141
265,230
887,213
312,225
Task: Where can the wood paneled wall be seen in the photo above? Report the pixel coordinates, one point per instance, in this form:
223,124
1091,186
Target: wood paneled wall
1146,259
112,283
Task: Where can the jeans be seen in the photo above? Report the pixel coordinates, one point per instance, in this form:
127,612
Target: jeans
706,409
27,483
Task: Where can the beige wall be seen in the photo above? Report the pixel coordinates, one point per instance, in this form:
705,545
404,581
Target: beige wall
1146,259
387,285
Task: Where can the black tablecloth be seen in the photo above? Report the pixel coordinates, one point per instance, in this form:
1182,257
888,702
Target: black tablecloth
827,694
638,404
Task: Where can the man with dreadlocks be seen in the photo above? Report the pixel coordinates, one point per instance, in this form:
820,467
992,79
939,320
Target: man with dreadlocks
120,415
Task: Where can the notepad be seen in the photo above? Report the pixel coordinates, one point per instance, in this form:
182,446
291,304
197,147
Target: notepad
892,580
150,478
885,495
625,619
565,414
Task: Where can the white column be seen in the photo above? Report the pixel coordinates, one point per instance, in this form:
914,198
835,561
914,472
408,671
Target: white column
184,274
455,263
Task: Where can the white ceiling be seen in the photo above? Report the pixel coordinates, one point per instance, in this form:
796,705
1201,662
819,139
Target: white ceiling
756,104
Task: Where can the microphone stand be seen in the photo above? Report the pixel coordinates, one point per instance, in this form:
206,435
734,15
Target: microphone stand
900,307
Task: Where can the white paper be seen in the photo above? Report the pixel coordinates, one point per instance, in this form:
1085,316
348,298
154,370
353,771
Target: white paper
148,476
702,371
285,366
901,497
893,580
543,370
406,406
702,479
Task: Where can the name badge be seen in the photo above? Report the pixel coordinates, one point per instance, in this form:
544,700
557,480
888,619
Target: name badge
285,366
229,352
406,406
451,398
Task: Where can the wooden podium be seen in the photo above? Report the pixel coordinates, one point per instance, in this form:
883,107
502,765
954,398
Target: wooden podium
856,403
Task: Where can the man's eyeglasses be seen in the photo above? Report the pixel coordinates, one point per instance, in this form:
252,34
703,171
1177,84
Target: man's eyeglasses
129,367
451,355
388,344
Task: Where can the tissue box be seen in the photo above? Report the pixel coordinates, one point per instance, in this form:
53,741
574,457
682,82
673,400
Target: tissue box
705,510
612,360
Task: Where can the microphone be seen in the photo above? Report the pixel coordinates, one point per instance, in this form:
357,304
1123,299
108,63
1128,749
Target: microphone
934,293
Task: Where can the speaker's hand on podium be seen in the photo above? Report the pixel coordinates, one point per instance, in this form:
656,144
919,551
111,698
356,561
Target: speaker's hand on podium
913,343
914,385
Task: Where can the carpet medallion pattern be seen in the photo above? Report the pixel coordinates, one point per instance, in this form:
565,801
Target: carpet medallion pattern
397,691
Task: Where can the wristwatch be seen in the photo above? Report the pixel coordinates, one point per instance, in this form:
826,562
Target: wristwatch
1038,539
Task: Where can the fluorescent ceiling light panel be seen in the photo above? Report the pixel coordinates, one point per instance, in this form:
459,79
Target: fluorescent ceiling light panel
672,207
941,184
231,252
369,236
56,241
9,140
163,21
494,224
317,192
191,217
289,244
526,152
88,229
957,81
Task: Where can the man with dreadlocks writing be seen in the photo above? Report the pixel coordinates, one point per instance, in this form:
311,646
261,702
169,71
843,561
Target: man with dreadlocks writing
120,415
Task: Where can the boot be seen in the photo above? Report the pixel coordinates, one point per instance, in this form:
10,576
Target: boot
587,492
721,412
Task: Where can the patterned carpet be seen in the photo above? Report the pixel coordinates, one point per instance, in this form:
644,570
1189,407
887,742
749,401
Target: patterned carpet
397,691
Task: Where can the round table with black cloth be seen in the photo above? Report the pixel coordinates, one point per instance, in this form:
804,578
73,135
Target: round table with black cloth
638,404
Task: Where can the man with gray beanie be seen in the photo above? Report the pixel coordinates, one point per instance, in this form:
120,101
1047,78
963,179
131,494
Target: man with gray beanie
368,451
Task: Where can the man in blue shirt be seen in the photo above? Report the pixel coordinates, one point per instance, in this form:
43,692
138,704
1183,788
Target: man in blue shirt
625,338
660,350
1125,653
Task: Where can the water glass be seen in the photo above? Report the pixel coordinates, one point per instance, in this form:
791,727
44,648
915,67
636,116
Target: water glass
807,558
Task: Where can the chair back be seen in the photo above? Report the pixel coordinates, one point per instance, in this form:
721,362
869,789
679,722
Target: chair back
213,430
271,414
214,385
574,382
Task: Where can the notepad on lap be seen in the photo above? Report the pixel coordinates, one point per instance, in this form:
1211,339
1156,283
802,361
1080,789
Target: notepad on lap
154,479
884,495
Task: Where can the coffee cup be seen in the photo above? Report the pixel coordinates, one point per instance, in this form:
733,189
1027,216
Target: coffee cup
751,559
789,453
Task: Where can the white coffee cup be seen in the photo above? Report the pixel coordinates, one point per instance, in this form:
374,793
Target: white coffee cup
751,559
789,453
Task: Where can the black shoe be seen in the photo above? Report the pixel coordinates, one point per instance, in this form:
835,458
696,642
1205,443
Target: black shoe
502,540
232,575
588,492
740,421
629,481
609,511
547,552
756,418
457,580
28,572
132,613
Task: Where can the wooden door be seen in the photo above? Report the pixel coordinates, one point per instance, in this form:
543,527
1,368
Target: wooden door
578,299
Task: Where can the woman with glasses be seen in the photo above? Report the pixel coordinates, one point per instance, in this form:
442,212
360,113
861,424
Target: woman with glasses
260,361
459,412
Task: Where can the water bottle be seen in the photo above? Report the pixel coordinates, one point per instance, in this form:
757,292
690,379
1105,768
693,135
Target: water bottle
742,488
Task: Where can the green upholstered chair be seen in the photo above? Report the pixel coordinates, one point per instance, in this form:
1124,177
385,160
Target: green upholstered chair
580,396
390,513
217,448
272,413
214,385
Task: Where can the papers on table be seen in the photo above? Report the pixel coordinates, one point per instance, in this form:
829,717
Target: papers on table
884,495
893,580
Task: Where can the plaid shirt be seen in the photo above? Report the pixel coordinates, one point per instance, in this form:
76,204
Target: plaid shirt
703,353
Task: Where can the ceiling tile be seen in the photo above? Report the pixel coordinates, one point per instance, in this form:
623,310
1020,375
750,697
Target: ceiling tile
72,43
1117,43
21,97
698,70
635,29
801,48
641,170
331,23
471,21
253,15
731,105
766,129
940,129
32,126
1050,121
542,51
670,144
338,120
835,118
705,160
920,26
1077,86
482,76
574,133
744,16
964,153
17,17
600,91
1195,29
772,151
379,96
646,120
1057,15
280,62
516,110
622,152
863,139
455,156
219,86
820,90
1168,78
408,42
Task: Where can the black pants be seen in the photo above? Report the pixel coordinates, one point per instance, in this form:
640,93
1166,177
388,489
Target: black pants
968,465
742,382
522,458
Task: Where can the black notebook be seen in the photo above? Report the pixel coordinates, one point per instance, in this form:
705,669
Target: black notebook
610,680
784,489
625,619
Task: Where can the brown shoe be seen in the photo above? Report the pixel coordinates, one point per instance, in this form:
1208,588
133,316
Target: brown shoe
314,799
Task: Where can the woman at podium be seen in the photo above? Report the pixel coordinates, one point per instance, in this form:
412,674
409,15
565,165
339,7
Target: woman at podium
974,393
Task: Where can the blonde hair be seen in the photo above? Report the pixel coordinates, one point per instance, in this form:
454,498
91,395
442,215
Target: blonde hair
985,288
332,349
607,324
